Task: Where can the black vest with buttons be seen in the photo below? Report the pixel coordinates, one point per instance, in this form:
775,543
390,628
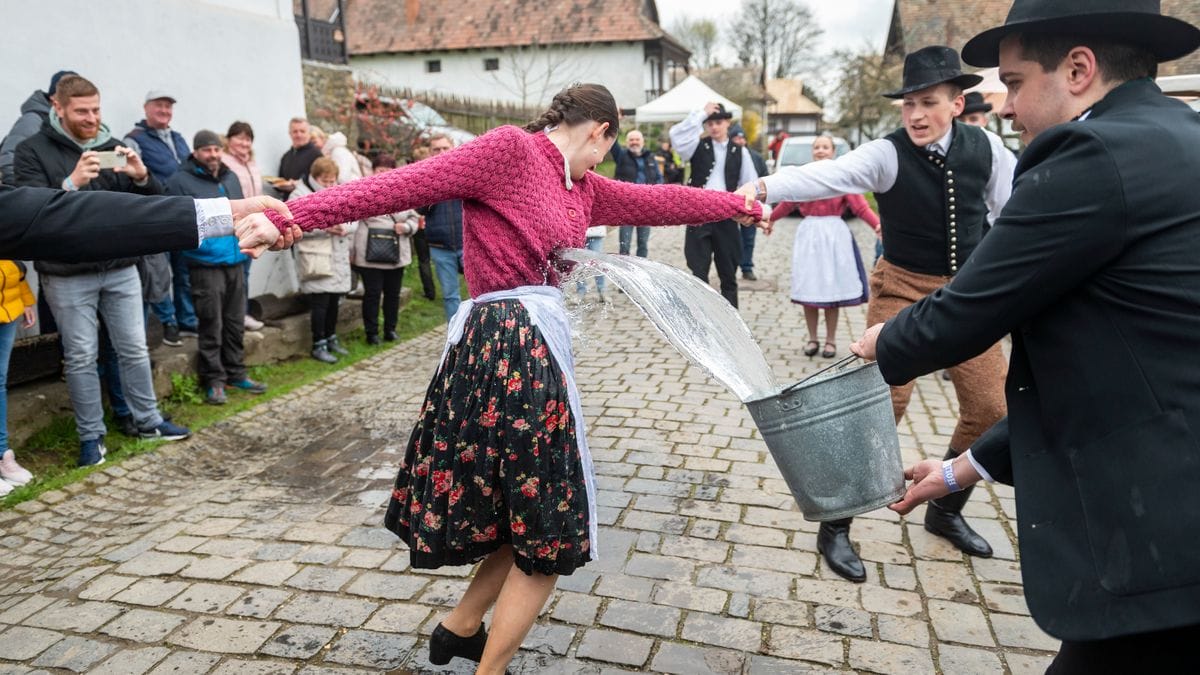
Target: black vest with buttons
705,158
935,214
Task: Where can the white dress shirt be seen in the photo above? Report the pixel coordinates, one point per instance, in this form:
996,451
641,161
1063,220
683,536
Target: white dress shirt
214,218
873,167
685,138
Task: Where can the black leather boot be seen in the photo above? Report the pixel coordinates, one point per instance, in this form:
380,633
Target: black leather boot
833,541
943,517
444,645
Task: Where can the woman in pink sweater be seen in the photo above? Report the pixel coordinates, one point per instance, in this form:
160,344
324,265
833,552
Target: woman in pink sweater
497,468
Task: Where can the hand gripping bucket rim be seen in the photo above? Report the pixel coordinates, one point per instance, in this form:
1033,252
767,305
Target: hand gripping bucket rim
834,441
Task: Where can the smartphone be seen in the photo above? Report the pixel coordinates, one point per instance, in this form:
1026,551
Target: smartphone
110,159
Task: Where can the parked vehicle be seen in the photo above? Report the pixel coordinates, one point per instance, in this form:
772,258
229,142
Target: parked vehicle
430,122
797,150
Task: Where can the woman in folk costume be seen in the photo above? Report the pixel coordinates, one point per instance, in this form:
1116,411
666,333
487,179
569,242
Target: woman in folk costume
827,269
497,468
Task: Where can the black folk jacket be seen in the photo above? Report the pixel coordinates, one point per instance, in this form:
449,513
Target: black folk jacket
1094,269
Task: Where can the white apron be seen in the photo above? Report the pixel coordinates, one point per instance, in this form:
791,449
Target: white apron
549,314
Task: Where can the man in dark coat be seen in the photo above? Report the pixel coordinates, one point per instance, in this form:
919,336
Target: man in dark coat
1094,269
635,165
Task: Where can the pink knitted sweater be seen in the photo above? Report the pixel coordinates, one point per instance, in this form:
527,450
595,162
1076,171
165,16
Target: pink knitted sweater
516,209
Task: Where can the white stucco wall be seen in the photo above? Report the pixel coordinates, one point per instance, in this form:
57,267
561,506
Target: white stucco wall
619,66
224,60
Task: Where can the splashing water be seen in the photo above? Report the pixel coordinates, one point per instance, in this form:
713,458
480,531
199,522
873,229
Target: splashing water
697,320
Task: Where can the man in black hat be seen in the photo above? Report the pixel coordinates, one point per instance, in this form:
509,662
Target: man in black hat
975,111
1092,268
717,164
939,184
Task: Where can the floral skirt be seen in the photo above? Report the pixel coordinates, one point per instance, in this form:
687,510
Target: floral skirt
494,459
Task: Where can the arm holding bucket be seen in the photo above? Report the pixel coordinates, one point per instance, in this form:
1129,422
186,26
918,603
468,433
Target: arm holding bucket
988,459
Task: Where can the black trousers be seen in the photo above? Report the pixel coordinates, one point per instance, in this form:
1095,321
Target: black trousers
719,243
323,308
219,294
421,246
377,282
1166,651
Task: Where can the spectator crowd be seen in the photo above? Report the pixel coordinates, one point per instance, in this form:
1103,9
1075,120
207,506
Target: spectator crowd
100,310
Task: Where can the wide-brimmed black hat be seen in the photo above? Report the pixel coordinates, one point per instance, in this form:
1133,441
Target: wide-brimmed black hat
933,65
1135,22
720,114
976,104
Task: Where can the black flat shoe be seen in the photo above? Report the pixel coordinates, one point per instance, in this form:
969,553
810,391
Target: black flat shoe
445,645
830,351
833,542
812,347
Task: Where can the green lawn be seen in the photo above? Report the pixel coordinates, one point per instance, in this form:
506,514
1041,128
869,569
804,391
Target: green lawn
52,452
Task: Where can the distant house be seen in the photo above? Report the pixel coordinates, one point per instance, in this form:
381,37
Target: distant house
517,51
920,23
792,111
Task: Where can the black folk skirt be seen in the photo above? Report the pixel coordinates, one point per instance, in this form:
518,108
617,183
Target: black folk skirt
493,459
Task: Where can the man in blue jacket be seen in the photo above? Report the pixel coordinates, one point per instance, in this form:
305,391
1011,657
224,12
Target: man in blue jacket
215,269
443,230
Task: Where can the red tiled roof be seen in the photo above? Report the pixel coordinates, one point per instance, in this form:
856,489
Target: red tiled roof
953,22
389,26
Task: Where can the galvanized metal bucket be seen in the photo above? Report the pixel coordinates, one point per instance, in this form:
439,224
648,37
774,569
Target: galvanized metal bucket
834,440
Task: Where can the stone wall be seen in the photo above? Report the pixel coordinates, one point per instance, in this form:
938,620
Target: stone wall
329,98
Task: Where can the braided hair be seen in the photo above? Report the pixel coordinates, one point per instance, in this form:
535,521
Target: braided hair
577,104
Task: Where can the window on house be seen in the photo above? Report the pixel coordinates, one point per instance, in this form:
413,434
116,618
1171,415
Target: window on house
491,64
433,66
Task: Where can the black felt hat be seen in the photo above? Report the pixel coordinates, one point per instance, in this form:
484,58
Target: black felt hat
720,114
976,104
930,66
1135,22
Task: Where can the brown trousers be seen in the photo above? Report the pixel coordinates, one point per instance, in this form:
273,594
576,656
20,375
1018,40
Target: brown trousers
978,383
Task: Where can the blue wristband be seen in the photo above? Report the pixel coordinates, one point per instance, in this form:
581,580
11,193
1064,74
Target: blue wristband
948,475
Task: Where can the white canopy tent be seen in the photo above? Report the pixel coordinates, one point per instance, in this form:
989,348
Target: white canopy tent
689,95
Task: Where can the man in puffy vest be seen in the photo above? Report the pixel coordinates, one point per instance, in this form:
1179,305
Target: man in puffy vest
162,149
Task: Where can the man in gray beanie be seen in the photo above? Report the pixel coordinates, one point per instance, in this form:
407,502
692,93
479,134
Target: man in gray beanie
215,269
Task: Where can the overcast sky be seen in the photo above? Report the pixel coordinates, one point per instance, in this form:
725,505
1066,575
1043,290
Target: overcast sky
848,24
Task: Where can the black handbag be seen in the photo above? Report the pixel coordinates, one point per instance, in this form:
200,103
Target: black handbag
383,246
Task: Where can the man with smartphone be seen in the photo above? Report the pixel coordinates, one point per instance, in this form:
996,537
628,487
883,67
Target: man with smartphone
69,153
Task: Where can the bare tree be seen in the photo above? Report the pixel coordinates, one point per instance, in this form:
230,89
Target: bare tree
701,37
777,36
864,113
534,73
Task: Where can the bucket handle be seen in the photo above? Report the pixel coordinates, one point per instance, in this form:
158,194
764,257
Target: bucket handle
836,364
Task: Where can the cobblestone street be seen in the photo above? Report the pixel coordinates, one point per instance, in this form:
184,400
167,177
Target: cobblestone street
257,547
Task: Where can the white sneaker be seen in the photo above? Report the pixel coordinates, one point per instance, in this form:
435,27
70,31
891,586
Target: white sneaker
252,323
11,472
5,488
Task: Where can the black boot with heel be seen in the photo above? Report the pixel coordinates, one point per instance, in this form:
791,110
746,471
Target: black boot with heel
943,517
833,541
